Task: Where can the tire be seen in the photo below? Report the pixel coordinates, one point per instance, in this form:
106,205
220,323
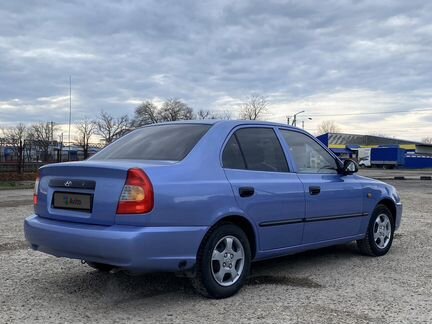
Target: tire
378,240
218,264
102,267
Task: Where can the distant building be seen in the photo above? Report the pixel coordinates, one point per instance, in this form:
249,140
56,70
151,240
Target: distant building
383,151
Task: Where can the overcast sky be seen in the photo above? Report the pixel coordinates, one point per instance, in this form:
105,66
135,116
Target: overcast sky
330,58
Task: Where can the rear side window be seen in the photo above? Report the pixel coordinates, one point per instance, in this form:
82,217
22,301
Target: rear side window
159,142
232,157
259,149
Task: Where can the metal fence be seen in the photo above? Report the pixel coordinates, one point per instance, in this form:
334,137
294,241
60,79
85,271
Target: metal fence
28,155
25,167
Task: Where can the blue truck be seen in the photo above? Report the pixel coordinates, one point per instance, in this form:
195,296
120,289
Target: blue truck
387,157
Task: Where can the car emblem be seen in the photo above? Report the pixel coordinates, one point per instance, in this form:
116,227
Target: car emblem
68,183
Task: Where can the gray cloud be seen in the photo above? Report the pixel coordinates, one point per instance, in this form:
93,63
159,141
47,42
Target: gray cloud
208,53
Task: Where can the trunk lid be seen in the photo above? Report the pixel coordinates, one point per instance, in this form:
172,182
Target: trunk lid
97,183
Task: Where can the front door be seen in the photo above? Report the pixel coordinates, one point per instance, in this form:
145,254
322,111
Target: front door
334,202
265,189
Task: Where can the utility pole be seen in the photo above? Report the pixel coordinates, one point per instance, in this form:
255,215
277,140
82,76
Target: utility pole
70,114
52,131
60,156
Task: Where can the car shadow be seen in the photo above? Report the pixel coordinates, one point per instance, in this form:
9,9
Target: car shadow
120,288
314,257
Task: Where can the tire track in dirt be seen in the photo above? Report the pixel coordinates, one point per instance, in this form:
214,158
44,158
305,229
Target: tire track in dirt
13,246
16,203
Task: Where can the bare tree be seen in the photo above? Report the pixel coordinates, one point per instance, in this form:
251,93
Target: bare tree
225,114
328,126
174,109
204,114
86,129
171,110
253,108
146,113
15,137
208,114
427,140
108,127
42,135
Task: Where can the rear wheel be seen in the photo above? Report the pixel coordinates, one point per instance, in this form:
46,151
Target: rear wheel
223,262
102,267
379,236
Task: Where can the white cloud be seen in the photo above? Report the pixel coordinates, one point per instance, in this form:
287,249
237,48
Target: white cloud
402,21
358,111
364,56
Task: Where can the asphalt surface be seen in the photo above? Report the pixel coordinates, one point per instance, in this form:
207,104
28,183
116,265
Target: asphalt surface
410,174
332,285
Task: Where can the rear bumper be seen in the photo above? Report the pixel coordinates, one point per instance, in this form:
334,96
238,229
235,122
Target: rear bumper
399,209
127,247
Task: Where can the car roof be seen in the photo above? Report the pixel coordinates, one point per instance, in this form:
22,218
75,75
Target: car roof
229,122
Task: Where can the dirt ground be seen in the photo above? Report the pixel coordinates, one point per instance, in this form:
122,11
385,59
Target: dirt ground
332,285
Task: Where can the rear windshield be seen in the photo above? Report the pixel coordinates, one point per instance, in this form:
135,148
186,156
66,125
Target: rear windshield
159,142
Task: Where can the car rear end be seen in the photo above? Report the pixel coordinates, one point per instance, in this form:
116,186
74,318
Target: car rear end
81,207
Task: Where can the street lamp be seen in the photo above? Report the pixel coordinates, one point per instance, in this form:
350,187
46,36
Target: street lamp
294,122
303,122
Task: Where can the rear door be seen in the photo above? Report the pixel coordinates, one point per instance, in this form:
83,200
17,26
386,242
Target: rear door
264,187
334,202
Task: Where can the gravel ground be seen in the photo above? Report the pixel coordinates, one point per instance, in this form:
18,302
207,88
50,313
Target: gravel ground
332,285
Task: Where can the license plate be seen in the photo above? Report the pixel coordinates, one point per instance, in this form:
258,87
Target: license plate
68,200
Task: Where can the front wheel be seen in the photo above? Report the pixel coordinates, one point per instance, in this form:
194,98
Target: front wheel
223,262
379,236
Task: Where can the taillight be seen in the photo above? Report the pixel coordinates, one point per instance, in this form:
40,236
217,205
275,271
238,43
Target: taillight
137,195
36,191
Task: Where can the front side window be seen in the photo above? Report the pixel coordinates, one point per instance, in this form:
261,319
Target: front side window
159,142
308,155
259,148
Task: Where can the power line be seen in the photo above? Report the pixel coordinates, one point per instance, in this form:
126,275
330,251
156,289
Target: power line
380,130
371,113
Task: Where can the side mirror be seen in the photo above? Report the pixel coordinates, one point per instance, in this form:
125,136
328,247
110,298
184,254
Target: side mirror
349,167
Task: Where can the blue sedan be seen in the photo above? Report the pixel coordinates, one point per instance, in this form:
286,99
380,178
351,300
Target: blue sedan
206,199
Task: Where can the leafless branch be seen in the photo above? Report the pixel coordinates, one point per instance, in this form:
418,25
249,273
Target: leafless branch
253,108
328,126
85,129
108,126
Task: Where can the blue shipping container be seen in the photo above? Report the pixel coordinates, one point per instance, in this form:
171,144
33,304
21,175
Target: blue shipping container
387,156
414,161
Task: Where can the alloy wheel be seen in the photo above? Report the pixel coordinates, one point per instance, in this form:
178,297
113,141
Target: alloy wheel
382,231
227,260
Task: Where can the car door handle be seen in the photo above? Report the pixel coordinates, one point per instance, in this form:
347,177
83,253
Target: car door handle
246,192
314,190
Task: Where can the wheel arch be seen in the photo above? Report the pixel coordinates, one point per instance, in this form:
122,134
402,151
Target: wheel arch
242,222
390,204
